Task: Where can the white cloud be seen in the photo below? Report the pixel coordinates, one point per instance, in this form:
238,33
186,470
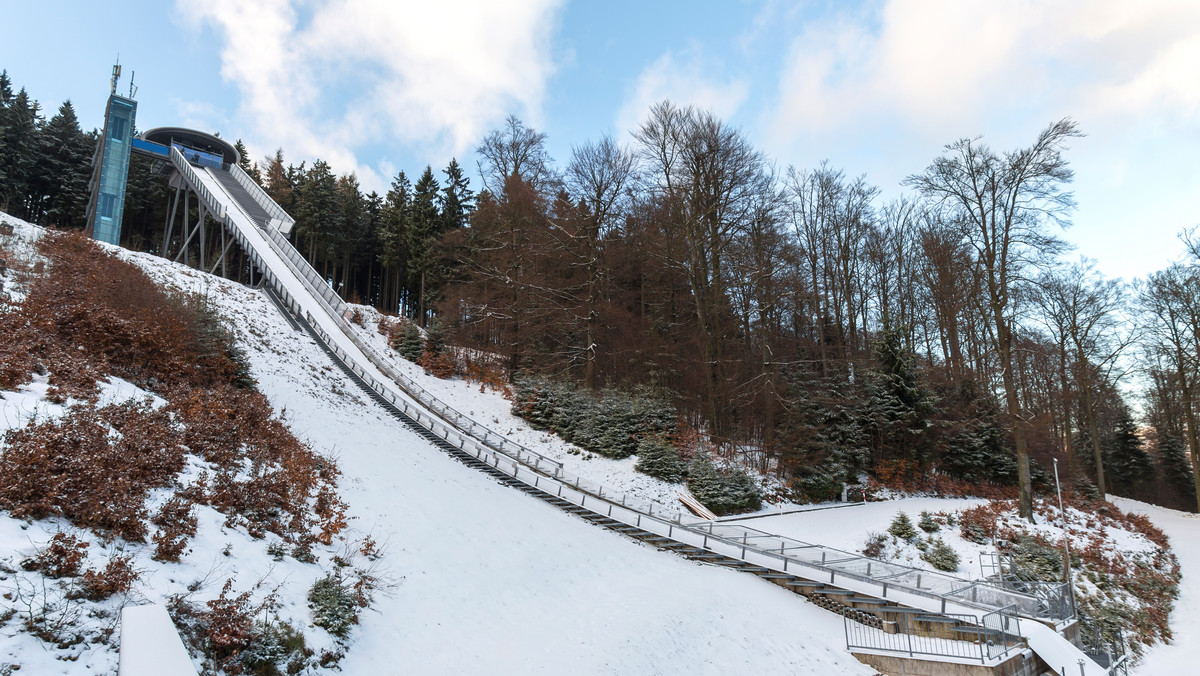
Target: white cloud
686,79
324,78
942,65
881,89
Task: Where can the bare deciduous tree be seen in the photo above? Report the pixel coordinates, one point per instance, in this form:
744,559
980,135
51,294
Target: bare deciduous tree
1004,205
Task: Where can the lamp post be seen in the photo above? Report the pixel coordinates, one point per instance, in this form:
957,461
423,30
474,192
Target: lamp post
1066,538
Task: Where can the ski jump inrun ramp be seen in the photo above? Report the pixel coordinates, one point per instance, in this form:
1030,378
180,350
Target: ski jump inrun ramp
254,220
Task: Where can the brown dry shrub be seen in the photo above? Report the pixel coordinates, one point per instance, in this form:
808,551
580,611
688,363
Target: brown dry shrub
176,523
117,577
227,427
485,370
76,468
61,558
95,314
228,628
907,476
439,365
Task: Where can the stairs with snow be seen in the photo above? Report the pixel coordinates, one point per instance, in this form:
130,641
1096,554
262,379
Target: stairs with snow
887,604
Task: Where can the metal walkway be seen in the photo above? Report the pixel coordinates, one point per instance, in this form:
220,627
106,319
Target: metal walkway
832,576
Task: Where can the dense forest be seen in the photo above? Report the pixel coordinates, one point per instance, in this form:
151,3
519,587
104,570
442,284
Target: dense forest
801,323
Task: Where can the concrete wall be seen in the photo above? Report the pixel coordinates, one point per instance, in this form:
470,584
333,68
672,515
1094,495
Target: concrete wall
1021,664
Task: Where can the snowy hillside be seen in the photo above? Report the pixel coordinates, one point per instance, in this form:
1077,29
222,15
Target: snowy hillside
481,578
485,579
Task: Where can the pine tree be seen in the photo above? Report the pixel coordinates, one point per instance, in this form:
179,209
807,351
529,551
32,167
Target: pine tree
658,458
902,527
1128,463
1175,469
435,338
246,164
425,227
278,182
393,242
19,124
318,212
63,168
900,409
722,492
456,201
409,342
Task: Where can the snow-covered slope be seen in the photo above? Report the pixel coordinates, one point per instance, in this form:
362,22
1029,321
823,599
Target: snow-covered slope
486,579
1182,654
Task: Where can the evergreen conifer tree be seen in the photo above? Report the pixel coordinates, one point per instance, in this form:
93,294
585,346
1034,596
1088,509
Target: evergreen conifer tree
244,162
393,243
425,227
409,343
277,181
1174,468
63,168
19,123
1128,463
658,458
318,212
902,527
435,338
722,492
456,201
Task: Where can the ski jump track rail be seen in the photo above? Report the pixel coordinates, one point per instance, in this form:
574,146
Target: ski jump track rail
320,311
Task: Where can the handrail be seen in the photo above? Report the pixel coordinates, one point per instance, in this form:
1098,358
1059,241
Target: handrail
259,195
337,309
185,168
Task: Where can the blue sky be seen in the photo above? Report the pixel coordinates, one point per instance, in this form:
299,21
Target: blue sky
874,87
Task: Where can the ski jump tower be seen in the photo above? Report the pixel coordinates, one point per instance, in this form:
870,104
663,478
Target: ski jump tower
197,165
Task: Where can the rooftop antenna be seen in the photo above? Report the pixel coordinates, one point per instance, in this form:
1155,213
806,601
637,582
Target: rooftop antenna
116,75
132,89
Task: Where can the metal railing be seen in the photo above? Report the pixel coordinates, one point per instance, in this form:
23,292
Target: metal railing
945,635
210,202
259,195
1054,599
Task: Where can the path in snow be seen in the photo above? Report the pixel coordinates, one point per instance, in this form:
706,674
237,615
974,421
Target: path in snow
1182,655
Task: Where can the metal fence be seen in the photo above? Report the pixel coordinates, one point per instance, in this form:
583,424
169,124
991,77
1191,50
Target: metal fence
1054,599
944,635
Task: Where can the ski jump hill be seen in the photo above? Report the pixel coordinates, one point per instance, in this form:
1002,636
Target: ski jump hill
898,619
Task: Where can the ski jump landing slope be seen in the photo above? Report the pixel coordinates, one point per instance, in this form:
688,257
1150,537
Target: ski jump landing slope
257,223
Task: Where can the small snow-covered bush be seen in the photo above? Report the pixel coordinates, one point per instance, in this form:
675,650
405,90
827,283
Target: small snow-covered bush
927,523
117,577
875,546
610,424
333,604
724,492
902,527
275,648
941,555
658,458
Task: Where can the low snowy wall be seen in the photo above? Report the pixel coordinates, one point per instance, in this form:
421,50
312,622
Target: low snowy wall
150,644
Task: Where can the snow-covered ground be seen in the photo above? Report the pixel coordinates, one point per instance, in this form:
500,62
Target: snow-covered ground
486,579
1182,654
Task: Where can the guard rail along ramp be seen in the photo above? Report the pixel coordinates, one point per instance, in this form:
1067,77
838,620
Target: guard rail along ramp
258,225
